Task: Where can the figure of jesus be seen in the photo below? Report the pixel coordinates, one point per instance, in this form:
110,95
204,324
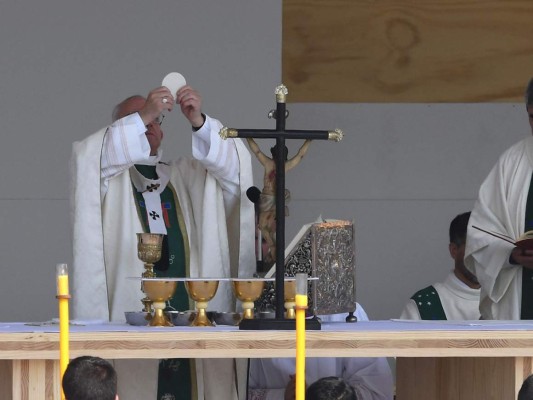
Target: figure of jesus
267,200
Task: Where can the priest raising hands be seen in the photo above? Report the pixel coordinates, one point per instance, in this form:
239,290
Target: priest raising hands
121,187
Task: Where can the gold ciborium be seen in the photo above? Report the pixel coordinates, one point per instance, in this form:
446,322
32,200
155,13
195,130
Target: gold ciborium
248,291
149,252
290,298
201,291
159,292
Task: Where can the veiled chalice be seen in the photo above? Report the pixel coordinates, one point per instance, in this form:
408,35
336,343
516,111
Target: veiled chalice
159,291
247,291
201,290
290,298
149,252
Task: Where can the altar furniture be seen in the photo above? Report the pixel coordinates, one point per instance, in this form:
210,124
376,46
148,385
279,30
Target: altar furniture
436,360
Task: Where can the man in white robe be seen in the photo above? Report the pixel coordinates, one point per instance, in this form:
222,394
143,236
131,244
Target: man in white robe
273,378
457,297
502,208
216,218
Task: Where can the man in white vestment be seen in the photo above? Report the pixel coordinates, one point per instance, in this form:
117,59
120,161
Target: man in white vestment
505,206
120,188
274,379
457,298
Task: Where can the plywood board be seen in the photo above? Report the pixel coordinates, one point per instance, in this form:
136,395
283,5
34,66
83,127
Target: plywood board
407,51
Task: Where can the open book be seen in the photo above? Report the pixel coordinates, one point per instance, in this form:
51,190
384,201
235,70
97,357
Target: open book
524,241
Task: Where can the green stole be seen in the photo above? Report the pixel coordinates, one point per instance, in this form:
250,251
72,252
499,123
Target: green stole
526,310
175,381
429,305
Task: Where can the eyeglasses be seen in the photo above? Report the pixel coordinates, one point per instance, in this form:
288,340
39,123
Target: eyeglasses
159,119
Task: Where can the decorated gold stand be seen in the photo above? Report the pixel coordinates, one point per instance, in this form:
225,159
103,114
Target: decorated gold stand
149,251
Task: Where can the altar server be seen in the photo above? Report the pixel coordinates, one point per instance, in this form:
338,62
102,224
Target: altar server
457,297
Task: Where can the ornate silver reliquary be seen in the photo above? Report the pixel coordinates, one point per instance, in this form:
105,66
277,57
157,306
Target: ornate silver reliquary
325,250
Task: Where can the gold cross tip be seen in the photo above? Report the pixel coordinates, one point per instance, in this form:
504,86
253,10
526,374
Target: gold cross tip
336,135
281,93
226,132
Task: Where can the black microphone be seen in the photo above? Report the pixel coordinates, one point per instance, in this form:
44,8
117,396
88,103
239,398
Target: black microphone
253,194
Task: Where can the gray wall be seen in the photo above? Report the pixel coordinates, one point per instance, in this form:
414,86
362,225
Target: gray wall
402,172
65,64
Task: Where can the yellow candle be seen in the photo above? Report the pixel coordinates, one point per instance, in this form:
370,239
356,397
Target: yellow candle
63,297
301,306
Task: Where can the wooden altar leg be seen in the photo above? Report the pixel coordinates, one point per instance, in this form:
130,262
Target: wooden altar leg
35,380
461,378
6,377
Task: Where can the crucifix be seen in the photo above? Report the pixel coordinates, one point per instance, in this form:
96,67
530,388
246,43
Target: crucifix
280,134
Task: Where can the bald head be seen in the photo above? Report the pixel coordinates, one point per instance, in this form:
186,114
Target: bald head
122,108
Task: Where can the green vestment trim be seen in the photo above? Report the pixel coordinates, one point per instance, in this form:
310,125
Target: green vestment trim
526,310
429,305
175,380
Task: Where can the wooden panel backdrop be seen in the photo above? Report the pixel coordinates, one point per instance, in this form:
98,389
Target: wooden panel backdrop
407,50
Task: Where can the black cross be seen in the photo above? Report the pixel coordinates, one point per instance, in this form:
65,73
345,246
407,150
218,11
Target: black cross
152,187
280,134
154,215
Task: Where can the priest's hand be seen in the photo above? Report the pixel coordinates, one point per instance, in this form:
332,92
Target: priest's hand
157,101
190,103
522,257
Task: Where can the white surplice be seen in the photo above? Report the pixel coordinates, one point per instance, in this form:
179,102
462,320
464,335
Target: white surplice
370,377
219,222
459,301
500,208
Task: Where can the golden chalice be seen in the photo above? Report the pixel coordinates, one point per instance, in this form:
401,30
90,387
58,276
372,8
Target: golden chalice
290,298
159,292
201,291
149,252
248,291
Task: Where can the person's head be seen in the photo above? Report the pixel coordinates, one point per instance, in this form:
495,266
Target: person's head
274,152
90,378
133,104
329,388
526,391
458,228
528,97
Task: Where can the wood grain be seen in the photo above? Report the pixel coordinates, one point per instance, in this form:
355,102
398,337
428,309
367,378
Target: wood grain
407,50
432,364
459,378
213,343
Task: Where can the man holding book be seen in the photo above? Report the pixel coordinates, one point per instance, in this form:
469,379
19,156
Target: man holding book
505,206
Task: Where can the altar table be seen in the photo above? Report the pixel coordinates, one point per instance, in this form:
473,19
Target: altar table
436,360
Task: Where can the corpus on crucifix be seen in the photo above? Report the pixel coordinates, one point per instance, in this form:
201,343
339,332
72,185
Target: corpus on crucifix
278,165
267,199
